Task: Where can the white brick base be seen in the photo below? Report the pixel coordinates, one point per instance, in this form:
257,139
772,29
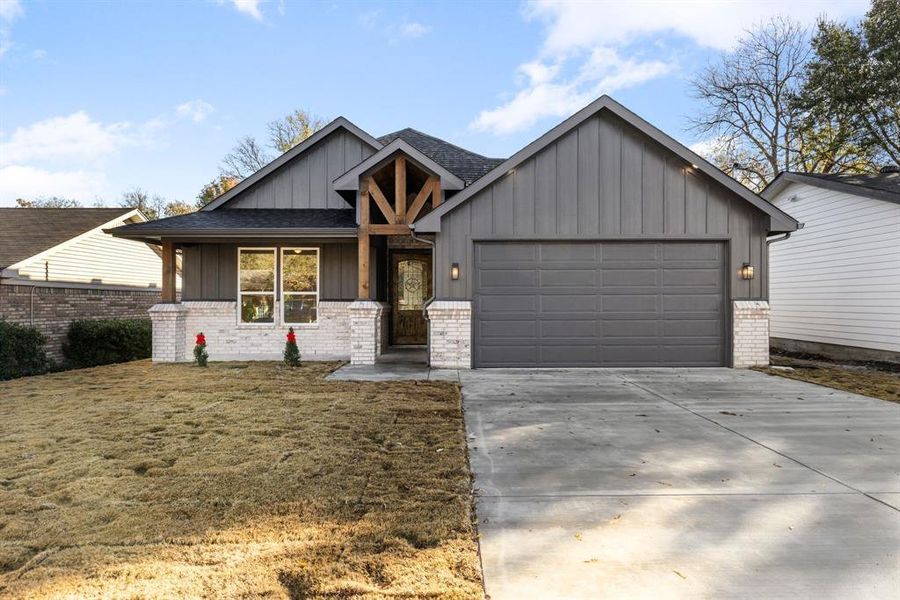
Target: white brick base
450,334
750,333
368,331
168,332
175,328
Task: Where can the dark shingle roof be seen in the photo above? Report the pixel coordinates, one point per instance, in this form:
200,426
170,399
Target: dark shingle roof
466,165
885,182
245,220
880,186
25,232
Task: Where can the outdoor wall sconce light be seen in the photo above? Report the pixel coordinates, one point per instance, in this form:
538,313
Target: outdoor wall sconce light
748,271
454,271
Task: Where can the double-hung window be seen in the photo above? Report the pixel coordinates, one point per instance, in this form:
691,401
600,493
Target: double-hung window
256,284
299,285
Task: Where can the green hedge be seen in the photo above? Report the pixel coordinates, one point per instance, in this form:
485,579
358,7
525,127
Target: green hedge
92,342
21,351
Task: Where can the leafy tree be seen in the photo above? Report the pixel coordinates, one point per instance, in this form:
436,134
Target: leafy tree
855,75
249,156
752,113
177,207
287,132
155,206
47,202
214,189
246,158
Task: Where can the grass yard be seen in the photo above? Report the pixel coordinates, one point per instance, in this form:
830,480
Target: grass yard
238,481
858,379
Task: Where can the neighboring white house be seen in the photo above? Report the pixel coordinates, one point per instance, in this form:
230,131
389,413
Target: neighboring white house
834,286
57,265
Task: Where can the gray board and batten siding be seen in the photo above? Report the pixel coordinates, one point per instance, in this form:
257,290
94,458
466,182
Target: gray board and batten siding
307,181
210,269
603,180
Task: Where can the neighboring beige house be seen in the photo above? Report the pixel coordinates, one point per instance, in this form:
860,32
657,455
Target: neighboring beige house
835,284
57,265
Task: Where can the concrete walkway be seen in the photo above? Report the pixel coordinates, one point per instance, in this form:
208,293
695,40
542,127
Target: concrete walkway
687,483
397,364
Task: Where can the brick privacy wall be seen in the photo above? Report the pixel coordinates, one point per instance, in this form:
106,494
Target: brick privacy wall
329,339
56,307
450,334
750,339
368,331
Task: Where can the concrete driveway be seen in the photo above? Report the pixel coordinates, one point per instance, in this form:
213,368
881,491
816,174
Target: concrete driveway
691,483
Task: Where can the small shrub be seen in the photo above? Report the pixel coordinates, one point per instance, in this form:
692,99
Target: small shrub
291,351
92,342
201,356
21,351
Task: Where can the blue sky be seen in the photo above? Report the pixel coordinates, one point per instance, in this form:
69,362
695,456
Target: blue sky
99,97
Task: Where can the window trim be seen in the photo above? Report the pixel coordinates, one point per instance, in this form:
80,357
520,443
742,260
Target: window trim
318,252
273,293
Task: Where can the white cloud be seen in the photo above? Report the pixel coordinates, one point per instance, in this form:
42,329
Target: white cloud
195,110
248,7
709,147
413,29
73,138
18,181
573,24
394,32
39,54
547,94
589,48
10,10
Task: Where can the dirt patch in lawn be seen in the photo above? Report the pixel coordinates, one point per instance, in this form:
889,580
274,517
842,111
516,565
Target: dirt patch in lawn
241,480
867,380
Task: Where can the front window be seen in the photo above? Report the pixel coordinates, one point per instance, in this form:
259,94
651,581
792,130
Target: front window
300,285
256,284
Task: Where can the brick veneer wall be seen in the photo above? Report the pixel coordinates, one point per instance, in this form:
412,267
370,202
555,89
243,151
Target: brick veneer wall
175,326
750,333
57,306
450,334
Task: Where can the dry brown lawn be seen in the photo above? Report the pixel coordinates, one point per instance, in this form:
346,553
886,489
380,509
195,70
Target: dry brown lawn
858,379
238,481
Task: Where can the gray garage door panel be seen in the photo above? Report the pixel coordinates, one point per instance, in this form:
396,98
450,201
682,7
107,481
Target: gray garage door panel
599,304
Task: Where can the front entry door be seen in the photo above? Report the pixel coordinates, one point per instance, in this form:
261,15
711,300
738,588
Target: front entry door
410,289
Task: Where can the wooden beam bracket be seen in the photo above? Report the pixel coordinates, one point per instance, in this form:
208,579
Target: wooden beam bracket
382,202
420,200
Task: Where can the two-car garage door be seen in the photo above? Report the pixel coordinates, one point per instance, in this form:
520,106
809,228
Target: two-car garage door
550,304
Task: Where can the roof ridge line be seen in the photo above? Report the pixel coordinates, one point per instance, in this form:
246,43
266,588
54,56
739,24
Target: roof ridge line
443,141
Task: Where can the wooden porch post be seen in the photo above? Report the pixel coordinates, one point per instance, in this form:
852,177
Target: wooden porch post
400,189
168,271
363,235
436,197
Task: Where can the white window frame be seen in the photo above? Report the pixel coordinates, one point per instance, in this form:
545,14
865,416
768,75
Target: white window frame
241,293
318,252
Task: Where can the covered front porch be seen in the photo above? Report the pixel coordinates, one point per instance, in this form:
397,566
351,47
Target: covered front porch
393,188
352,282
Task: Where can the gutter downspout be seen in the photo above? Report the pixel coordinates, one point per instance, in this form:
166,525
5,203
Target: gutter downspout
431,298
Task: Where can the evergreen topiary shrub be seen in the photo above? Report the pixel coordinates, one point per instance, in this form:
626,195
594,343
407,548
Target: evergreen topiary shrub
21,351
92,342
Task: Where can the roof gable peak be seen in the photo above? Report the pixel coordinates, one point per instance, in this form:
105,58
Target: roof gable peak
299,149
780,219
